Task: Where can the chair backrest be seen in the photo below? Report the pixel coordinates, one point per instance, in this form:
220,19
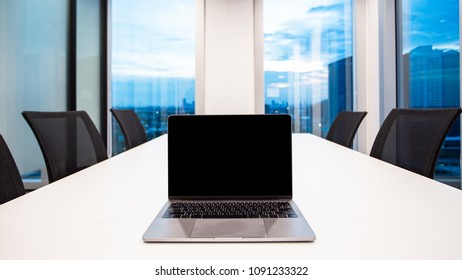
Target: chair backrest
132,129
412,138
69,141
344,127
11,185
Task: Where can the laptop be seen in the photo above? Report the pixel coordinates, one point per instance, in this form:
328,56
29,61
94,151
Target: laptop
229,180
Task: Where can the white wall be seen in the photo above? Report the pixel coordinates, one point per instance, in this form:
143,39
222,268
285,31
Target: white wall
367,74
229,57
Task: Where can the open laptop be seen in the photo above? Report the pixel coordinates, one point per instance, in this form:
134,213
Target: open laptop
229,180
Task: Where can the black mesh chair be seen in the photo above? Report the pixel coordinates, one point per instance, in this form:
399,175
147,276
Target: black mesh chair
132,129
69,141
344,127
11,185
412,138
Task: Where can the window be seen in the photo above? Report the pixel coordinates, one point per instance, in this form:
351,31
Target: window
33,74
153,62
308,61
428,69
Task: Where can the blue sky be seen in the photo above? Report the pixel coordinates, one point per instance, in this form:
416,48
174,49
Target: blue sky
305,36
427,22
153,38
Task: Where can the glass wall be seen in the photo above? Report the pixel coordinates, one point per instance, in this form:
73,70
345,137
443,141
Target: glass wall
428,68
308,61
153,62
33,53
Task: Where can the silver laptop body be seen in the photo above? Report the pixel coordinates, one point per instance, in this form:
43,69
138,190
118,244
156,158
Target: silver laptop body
229,180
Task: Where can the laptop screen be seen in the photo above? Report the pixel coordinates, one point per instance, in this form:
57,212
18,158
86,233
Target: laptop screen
229,156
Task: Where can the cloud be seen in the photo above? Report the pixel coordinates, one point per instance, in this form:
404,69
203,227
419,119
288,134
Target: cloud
429,23
319,34
150,38
336,7
294,66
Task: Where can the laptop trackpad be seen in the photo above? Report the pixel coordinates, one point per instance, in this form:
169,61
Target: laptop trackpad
229,228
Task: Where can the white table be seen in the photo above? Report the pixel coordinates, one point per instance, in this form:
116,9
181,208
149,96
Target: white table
359,207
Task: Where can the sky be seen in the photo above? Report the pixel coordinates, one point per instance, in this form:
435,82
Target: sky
153,38
427,22
306,34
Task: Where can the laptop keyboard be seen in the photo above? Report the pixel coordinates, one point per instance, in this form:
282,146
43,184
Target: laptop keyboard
220,210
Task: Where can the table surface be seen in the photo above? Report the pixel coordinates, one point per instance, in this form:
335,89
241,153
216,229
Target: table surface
359,208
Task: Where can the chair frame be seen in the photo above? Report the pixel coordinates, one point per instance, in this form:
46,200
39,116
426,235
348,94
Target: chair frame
53,170
121,117
357,117
14,186
380,140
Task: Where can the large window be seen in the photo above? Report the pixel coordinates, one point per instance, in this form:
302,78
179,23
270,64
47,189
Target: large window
308,63
33,74
428,67
153,61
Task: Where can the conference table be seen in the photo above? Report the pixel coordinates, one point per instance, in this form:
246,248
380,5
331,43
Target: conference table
359,207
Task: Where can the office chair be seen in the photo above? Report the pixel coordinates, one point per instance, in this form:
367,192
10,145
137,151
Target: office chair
69,141
132,129
344,127
412,138
11,185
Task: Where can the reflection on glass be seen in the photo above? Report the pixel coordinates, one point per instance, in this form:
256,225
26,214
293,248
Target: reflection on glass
153,61
428,67
33,54
308,61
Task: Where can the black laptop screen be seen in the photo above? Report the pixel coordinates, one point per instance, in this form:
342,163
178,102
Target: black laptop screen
229,156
